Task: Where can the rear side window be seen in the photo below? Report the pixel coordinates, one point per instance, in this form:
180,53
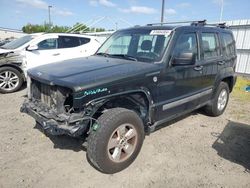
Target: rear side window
228,44
210,45
84,40
68,42
186,43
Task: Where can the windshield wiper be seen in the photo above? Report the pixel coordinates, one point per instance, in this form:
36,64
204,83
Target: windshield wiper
103,54
125,56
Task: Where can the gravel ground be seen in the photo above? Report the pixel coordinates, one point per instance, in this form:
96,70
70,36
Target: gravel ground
195,151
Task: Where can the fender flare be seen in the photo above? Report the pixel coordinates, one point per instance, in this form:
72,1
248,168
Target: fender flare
223,74
98,102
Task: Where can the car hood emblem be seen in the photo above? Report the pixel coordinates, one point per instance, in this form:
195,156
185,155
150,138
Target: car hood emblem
39,73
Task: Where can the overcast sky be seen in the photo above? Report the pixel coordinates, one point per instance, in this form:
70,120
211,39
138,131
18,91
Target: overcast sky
16,13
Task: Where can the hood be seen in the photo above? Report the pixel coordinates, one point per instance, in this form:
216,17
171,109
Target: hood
82,73
3,51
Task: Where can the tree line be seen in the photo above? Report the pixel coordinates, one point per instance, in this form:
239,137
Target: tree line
36,28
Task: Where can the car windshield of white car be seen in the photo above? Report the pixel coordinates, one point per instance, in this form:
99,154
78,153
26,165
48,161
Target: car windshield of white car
18,42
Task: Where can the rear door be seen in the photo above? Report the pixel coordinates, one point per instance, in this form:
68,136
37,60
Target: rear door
76,46
212,60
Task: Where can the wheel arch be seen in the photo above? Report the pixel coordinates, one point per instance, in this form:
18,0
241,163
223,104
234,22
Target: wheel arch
15,67
137,100
228,76
230,82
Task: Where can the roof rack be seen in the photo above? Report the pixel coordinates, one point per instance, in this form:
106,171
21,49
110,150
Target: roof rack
199,23
192,23
177,22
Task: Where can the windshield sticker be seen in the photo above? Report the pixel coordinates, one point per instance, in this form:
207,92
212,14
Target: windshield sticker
160,32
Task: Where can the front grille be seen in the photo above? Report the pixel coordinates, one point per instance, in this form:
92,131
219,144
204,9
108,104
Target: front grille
44,93
54,97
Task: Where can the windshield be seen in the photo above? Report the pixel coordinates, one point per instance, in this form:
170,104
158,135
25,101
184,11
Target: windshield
18,42
137,44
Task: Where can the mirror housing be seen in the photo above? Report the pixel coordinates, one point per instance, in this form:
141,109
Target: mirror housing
32,47
185,58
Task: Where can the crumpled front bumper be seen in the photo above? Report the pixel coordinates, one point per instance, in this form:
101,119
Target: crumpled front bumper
52,124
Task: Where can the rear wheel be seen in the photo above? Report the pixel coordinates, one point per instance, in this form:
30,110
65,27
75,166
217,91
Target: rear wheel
115,140
220,100
10,80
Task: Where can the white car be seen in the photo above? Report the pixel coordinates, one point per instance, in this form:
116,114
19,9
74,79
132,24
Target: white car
38,49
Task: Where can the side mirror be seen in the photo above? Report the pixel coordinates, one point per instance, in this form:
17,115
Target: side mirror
32,47
185,58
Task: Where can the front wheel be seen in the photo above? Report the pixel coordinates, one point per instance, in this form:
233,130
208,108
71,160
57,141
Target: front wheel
115,140
10,80
220,100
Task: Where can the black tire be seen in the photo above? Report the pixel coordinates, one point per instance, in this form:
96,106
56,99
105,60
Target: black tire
97,149
213,109
17,84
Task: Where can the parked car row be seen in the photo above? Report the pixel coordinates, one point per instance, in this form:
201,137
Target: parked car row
33,50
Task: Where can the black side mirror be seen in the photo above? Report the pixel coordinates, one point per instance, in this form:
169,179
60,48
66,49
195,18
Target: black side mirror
185,58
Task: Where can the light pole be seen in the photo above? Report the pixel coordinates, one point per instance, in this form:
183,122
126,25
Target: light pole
49,7
221,9
162,11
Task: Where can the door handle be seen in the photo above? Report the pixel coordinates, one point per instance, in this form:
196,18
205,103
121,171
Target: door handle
198,68
221,62
56,54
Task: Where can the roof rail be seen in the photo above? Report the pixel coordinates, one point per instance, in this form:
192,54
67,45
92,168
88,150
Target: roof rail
177,22
220,25
199,23
193,23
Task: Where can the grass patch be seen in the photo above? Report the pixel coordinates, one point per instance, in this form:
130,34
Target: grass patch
239,89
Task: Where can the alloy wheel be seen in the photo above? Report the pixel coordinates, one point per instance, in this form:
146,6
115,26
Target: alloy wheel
8,80
122,143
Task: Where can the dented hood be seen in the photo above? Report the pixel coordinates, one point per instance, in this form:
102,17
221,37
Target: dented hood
82,73
3,51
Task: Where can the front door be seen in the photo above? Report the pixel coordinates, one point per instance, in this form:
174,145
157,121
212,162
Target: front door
180,86
47,52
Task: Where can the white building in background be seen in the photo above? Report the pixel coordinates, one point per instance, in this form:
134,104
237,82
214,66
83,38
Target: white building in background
10,33
241,31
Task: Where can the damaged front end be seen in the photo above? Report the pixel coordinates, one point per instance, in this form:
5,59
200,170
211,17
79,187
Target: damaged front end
52,107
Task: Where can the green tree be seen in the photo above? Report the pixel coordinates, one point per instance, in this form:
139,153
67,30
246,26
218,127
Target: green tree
78,27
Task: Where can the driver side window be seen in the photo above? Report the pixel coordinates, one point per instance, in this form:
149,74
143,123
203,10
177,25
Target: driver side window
47,44
186,43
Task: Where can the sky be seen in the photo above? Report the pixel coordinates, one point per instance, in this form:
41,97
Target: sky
116,13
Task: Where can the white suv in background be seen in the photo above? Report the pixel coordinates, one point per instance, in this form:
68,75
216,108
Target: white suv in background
38,49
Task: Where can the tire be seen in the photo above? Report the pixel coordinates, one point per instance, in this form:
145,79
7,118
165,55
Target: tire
10,80
106,150
219,102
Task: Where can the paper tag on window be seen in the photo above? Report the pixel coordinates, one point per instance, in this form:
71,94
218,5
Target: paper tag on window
160,32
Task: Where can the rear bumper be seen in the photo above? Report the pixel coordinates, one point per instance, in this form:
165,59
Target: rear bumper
54,125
